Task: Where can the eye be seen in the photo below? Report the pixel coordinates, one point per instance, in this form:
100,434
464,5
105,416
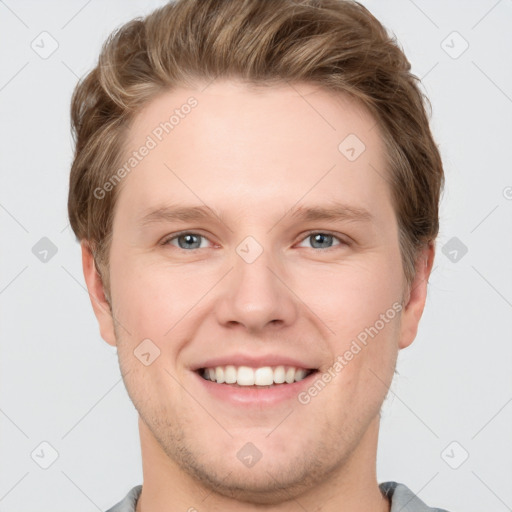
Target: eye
186,241
322,240
189,241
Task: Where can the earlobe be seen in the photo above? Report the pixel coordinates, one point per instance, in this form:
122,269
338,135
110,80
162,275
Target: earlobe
96,290
417,296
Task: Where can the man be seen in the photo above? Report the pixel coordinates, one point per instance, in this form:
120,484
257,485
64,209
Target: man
255,188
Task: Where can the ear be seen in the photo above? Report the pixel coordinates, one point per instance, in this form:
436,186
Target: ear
414,302
97,295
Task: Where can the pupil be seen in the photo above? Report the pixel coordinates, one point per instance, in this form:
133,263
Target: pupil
321,238
189,241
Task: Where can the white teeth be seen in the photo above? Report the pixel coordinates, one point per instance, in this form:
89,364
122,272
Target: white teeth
279,375
264,376
300,374
247,376
230,374
219,374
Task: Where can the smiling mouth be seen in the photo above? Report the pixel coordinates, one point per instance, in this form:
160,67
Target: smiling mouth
245,376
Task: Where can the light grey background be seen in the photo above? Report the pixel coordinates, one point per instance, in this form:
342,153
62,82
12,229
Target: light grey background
60,382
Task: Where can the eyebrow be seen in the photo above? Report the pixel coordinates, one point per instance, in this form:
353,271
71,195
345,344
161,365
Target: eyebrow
179,213
330,212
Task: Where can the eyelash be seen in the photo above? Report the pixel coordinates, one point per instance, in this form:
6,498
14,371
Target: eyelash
343,242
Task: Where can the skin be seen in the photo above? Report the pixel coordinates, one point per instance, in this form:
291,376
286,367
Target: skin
252,155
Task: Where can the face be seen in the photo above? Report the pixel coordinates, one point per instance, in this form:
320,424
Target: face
257,236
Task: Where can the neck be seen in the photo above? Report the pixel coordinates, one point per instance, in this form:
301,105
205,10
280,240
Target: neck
351,487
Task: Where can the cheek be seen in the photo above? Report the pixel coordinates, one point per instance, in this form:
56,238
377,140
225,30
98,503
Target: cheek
160,303
150,299
156,301
352,296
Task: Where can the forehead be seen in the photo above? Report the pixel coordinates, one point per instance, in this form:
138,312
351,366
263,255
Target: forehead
247,146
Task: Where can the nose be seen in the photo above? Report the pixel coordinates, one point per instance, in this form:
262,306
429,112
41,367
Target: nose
255,295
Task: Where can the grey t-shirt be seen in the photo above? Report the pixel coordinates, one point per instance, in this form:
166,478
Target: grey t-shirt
402,499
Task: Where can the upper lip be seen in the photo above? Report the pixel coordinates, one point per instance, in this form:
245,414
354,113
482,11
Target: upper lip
254,361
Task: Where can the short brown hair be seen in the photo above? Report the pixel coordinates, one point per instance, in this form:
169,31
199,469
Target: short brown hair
337,44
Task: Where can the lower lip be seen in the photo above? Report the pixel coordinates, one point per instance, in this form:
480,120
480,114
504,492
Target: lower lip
252,395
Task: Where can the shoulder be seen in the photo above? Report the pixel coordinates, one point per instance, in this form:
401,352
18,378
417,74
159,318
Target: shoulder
128,503
404,500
